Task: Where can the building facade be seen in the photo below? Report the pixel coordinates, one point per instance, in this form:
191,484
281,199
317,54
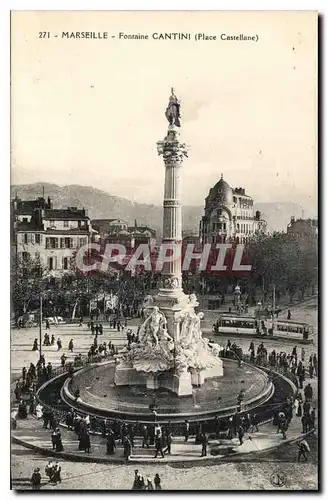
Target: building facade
303,227
229,216
118,231
54,235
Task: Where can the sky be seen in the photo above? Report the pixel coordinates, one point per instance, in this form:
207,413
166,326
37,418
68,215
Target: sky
90,112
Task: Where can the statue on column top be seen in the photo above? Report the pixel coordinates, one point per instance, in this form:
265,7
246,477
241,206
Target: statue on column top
172,112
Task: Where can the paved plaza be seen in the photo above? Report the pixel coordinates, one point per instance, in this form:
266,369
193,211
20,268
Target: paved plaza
249,468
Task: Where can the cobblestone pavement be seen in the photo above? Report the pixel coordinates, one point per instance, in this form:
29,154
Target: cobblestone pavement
225,476
22,340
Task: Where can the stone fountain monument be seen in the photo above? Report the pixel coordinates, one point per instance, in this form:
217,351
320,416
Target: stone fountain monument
172,353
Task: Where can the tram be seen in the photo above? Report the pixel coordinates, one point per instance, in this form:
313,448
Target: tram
236,324
247,325
294,327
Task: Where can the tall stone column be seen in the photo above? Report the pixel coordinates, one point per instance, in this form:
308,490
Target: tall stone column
172,215
173,151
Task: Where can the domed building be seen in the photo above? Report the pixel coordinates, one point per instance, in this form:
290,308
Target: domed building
229,215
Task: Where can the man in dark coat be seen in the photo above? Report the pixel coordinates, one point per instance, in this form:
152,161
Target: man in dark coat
308,393
36,479
240,434
204,441
158,445
110,443
87,442
168,443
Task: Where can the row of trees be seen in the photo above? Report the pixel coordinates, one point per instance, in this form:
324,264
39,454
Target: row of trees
288,261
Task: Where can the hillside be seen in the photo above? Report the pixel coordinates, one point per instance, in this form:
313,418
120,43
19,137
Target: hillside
100,204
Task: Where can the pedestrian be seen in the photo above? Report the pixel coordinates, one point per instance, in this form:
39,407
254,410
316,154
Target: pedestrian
303,450
186,429
315,364
311,370
71,345
289,315
81,321
36,479
158,445
52,342
149,485
62,359
110,443
240,434
304,421
92,327
59,344
157,482
254,423
204,441
127,448
56,477
308,393
49,469
35,345
168,443
53,439
145,436
59,444
87,442
312,419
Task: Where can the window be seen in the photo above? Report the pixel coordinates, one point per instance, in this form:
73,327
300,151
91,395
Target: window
79,223
25,219
83,241
65,263
68,243
37,239
25,256
25,238
224,226
52,263
51,242
219,212
65,223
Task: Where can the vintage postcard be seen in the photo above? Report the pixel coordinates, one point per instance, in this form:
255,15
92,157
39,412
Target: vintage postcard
164,251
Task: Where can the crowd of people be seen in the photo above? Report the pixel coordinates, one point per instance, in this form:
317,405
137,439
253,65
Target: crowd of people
160,437
52,473
140,484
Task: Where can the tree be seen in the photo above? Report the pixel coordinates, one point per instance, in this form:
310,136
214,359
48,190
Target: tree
27,279
288,260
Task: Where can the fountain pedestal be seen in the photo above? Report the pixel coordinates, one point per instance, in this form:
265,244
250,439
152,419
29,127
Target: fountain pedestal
172,353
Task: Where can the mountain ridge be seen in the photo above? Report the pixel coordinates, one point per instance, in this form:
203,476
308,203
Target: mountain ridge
102,205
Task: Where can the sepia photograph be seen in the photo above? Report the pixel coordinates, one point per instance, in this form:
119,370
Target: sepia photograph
164,251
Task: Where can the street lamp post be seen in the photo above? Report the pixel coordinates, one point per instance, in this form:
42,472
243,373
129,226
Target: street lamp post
40,328
273,306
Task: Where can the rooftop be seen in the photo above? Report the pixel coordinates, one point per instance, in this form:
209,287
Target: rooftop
71,213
